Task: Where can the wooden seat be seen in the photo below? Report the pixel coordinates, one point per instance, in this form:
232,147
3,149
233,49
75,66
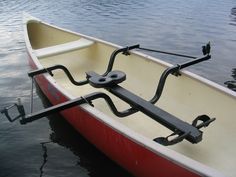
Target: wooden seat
62,48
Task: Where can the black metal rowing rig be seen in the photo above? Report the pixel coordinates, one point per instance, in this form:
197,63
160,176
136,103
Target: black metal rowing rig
110,81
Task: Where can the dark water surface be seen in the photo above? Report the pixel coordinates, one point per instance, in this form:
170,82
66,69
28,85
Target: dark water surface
50,147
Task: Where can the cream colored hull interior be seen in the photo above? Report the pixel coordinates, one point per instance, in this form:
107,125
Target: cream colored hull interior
185,97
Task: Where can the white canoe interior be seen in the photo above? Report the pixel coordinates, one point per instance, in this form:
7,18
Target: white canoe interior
186,97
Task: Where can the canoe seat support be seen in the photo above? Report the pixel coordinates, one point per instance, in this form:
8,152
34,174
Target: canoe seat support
183,129
109,81
179,127
99,81
62,48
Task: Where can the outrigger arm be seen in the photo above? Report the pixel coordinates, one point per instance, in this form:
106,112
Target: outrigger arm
110,81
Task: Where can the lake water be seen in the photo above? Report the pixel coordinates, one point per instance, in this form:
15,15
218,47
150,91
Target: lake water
50,147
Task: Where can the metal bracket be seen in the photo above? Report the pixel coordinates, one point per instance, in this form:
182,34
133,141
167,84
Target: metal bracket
206,120
166,142
20,109
206,49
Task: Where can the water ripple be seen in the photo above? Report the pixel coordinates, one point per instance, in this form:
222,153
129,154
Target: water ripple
178,26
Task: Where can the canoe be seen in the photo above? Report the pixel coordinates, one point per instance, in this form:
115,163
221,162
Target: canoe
133,138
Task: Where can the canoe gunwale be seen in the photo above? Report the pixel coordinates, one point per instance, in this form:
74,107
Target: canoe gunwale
164,152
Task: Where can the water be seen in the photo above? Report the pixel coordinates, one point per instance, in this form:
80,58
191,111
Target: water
50,147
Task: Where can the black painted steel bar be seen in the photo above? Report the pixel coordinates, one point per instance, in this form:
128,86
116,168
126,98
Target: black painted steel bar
54,109
168,53
166,119
192,62
76,102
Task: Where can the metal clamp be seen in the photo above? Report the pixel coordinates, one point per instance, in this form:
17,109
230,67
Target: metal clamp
167,141
19,107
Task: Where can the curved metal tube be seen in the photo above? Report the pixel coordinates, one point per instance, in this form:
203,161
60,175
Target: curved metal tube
116,52
50,69
162,82
172,70
110,103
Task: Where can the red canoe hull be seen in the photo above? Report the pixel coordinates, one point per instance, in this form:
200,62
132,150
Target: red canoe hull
137,159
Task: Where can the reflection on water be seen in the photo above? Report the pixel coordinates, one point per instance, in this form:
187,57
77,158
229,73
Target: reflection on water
233,16
233,11
92,162
232,83
234,73
45,155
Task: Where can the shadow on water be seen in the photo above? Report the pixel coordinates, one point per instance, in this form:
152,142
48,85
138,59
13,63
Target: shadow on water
90,158
233,11
45,155
233,16
232,84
